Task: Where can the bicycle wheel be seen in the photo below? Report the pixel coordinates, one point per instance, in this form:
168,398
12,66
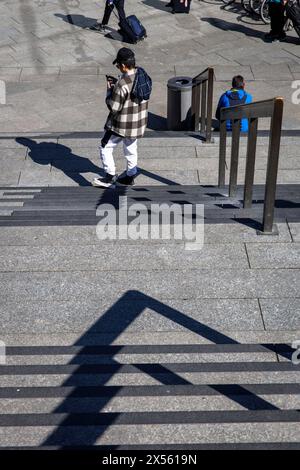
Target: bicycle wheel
255,6
228,2
264,12
246,6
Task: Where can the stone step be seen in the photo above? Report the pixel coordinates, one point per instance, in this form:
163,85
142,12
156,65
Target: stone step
104,258
171,447
153,256
77,206
113,367
149,418
110,355
128,286
85,203
201,435
169,193
267,390
228,233
91,192
224,337
139,404
125,404
215,215
123,359
151,374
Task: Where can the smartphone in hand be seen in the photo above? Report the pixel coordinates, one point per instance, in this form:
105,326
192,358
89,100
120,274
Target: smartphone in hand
111,79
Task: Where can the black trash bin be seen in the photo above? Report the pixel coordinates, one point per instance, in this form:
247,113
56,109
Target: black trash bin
179,104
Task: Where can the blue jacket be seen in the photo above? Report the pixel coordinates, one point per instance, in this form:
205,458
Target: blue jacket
228,99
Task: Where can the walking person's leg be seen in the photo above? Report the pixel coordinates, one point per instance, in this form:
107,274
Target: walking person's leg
276,12
120,9
281,21
272,15
108,144
130,153
106,16
107,12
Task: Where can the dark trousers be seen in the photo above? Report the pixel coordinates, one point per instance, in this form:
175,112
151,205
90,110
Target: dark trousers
119,4
276,12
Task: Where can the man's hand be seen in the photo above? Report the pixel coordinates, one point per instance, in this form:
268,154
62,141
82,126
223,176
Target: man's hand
110,82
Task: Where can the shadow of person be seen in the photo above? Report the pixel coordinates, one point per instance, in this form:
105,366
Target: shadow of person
77,20
228,26
158,4
292,40
84,22
61,158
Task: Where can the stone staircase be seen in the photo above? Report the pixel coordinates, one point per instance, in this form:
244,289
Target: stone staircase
146,344
78,206
157,395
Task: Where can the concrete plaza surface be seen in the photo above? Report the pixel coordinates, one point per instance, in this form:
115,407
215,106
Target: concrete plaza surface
133,344
54,66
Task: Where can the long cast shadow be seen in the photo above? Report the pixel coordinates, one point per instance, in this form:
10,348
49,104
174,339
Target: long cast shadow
81,21
97,387
61,158
158,4
228,26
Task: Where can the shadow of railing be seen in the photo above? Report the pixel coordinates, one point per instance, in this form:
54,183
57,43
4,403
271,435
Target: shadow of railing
93,381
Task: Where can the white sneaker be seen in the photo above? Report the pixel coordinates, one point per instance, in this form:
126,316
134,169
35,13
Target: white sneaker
107,181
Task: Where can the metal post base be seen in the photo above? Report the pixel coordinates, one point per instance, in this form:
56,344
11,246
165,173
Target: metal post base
275,231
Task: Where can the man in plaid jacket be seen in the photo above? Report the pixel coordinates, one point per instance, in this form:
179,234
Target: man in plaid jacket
127,119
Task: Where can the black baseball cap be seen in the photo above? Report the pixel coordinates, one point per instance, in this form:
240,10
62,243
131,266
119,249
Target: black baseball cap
123,55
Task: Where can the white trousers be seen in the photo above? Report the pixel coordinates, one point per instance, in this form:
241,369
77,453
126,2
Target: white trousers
130,153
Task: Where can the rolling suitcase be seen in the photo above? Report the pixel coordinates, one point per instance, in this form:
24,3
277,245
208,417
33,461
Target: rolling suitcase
181,6
132,29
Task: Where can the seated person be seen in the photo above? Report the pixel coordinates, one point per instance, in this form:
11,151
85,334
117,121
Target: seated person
237,95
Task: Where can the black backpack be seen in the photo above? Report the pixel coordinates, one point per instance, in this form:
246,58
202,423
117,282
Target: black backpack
234,101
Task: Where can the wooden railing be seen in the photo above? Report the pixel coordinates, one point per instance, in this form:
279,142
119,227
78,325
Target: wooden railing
202,103
273,109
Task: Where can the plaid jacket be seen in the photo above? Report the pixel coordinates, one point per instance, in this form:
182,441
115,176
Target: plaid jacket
127,117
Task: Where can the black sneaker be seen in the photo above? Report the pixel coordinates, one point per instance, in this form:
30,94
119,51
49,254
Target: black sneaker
99,27
282,37
108,181
169,5
125,181
271,37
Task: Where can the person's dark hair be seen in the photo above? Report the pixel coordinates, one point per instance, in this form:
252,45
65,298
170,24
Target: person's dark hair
130,63
238,81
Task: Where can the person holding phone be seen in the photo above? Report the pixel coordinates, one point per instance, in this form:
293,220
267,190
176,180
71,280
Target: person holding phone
127,101
111,81
109,6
